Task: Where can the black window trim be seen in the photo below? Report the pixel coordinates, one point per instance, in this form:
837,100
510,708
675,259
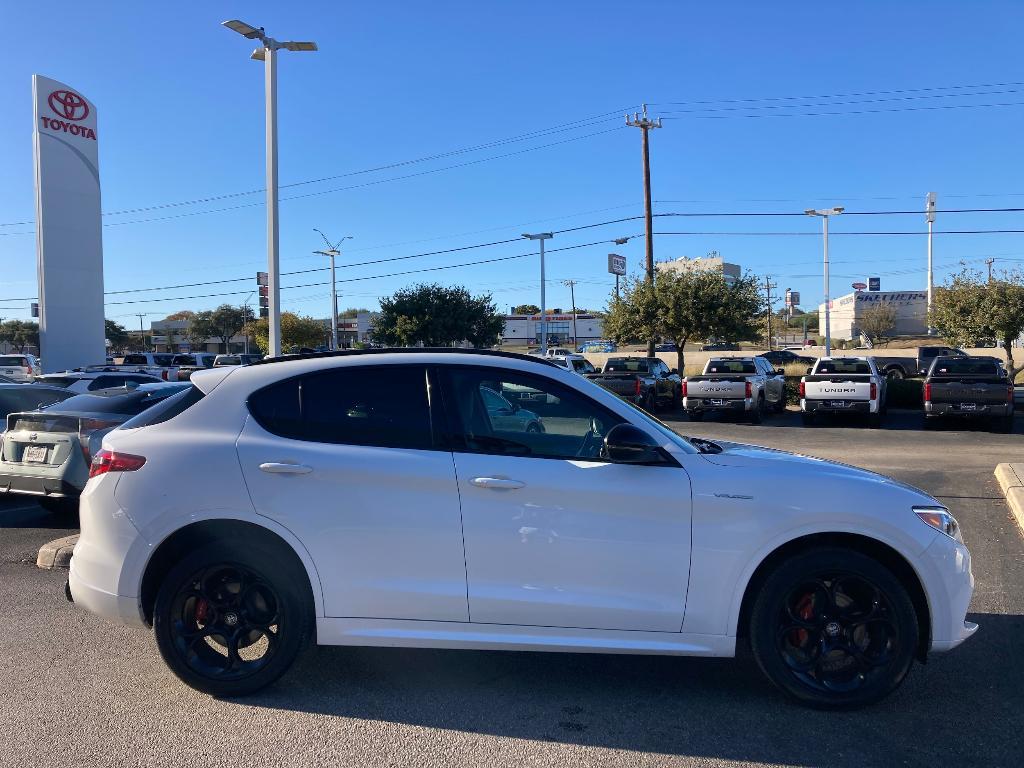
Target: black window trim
456,436
436,437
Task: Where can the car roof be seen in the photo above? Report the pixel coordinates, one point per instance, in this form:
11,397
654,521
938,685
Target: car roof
403,351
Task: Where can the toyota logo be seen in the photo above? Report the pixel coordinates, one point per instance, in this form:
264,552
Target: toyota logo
68,105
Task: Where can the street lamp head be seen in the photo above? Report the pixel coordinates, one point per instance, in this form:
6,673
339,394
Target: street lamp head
539,236
293,45
620,240
824,211
260,54
837,210
245,30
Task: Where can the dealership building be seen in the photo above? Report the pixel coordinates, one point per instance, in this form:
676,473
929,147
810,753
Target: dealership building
525,329
846,312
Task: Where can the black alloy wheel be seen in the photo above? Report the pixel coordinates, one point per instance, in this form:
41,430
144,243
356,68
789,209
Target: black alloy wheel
227,626
834,629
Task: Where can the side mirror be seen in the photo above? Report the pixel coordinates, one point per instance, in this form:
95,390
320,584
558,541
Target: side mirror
780,371
630,445
809,369
675,371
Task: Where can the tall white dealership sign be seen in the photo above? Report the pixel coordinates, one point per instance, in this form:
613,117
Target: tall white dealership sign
69,234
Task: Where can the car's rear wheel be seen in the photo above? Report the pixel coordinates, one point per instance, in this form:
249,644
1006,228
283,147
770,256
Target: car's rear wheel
756,415
834,629
895,374
231,620
695,415
650,402
807,418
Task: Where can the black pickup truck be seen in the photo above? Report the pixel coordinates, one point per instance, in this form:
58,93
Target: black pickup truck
968,387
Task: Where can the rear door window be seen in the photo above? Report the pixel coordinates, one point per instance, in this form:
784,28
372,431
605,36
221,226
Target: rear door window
383,406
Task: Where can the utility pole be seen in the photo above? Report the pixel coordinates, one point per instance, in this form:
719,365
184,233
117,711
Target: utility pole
645,124
989,262
929,215
542,236
768,285
572,298
142,332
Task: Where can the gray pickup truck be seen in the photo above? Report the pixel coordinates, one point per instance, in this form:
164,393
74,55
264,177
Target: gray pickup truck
644,381
969,388
907,367
748,385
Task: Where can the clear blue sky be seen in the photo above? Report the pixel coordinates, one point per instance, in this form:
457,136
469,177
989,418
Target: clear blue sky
180,109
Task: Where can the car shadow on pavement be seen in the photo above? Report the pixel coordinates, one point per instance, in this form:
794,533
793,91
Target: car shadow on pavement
904,420
957,708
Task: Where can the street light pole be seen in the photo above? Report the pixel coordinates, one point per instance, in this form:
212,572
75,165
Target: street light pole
572,298
268,55
331,252
825,213
542,236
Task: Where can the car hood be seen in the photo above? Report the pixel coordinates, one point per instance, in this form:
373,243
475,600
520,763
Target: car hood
793,467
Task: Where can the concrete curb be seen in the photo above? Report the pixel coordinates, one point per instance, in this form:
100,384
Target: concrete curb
56,553
1011,479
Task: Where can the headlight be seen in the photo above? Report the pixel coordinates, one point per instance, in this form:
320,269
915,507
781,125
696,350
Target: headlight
940,519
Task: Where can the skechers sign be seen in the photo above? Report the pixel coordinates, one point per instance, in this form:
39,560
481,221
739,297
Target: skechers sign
70,109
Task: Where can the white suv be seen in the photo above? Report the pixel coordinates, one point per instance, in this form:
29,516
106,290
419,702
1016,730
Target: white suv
380,498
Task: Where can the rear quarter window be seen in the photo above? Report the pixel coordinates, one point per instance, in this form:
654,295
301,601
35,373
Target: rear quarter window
166,409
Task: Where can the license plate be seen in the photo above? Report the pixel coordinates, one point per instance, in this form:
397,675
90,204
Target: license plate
838,403
35,454
717,402
968,406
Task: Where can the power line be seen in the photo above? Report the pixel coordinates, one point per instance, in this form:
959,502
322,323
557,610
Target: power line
852,111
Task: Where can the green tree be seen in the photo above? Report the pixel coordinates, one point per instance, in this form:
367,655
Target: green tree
526,309
437,316
970,309
183,314
116,334
20,333
681,306
200,328
227,321
296,331
877,323
351,312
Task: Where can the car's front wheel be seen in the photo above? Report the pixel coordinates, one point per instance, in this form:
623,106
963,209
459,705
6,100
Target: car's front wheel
834,629
231,620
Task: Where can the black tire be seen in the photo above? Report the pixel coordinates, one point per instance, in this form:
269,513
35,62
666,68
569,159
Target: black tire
533,428
895,374
650,402
808,419
874,421
780,406
202,624
834,629
756,416
1004,424
677,398
695,415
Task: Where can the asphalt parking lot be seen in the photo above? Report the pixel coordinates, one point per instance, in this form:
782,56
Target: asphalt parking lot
80,691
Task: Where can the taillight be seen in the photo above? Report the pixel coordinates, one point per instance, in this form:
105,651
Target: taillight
927,392
749,392
638,387
1009,395
163,375
85,429
803,390
874,391
112,461
683,390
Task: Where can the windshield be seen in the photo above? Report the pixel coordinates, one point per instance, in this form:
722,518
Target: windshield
626,366
965,367
12,360
731,366
843,366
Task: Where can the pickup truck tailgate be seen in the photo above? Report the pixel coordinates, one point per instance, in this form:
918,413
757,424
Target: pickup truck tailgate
966,391
622,384
724,388
844,387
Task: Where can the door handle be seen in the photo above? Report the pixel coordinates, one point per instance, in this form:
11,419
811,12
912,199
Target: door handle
279,468
500,483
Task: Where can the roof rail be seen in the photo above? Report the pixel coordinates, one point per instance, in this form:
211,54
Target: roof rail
407,350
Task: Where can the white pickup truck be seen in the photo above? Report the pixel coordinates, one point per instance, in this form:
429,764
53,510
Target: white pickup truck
159,364
843,385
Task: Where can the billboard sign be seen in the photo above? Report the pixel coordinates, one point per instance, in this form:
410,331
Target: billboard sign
858,286
69,235
874,283
792,298
616,264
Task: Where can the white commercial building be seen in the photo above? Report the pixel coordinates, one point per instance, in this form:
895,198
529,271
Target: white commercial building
911,312
525,329
731,272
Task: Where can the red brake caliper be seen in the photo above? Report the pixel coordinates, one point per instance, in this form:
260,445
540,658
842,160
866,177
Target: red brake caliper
805,610
202,610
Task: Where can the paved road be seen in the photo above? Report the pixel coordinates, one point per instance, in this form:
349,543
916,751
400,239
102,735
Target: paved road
79,691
